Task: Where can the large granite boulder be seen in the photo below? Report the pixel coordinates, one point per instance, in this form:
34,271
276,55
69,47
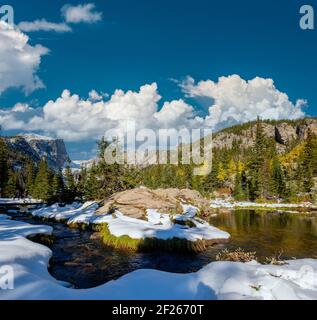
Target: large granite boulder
134,203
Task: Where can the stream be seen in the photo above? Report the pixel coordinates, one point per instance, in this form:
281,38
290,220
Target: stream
86,263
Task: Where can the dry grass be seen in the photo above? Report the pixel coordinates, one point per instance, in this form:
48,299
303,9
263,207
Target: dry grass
239,255
276,259
151,244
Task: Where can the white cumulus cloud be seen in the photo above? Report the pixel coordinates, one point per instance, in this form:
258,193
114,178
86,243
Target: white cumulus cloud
43,25
178,114
235,100
74,118
19,61
82,13
96,96
17,117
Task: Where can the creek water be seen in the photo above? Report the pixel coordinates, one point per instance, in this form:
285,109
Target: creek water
86,263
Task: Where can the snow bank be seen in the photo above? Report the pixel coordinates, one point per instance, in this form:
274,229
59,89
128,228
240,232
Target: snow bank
218,280
19,201
64,213
159,226
218,204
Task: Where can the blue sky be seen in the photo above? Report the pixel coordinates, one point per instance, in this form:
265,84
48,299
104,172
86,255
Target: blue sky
142,42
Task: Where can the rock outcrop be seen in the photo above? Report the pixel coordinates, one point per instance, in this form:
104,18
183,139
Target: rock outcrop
36,147
134,203
284,133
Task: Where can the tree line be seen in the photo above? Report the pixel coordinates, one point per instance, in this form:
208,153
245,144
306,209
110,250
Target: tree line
255,173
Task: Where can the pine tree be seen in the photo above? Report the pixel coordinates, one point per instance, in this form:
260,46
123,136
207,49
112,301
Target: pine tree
238,191
211,182
70,185
3,166
58,187
314,154
103,144
10,188
306,164
92,185
278,186
43,183
82,180
258,175
30,178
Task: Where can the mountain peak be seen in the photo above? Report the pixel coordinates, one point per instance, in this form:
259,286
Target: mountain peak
35,147
32,136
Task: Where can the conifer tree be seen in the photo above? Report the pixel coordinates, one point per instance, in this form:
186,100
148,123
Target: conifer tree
70,185
30,178
306,164
278,186
3,170
58,187
238,189
10,189
3,166
42,186
82,180
257,174
92,185
103,144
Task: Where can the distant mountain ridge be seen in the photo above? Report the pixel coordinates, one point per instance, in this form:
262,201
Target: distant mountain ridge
35,147
285,133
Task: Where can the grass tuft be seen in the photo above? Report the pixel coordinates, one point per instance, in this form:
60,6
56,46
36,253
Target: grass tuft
151,244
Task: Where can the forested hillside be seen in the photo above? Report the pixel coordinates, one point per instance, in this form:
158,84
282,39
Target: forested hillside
31,165
253,161
257,161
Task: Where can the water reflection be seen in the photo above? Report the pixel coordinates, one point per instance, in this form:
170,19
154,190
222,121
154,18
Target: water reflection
268,233
86,263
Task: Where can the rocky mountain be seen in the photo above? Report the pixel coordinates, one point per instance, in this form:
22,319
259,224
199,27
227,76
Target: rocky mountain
285,133
36,147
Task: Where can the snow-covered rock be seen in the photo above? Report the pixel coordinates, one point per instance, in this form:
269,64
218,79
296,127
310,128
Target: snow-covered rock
29,137
157,225
135,202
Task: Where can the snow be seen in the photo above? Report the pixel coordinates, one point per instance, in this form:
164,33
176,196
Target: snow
76,165
32,136
86,213
219,203
10,229
19,201
72,213
160,226
218,280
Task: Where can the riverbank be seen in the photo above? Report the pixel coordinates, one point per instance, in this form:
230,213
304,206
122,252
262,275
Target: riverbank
172,232
219,280
231,204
